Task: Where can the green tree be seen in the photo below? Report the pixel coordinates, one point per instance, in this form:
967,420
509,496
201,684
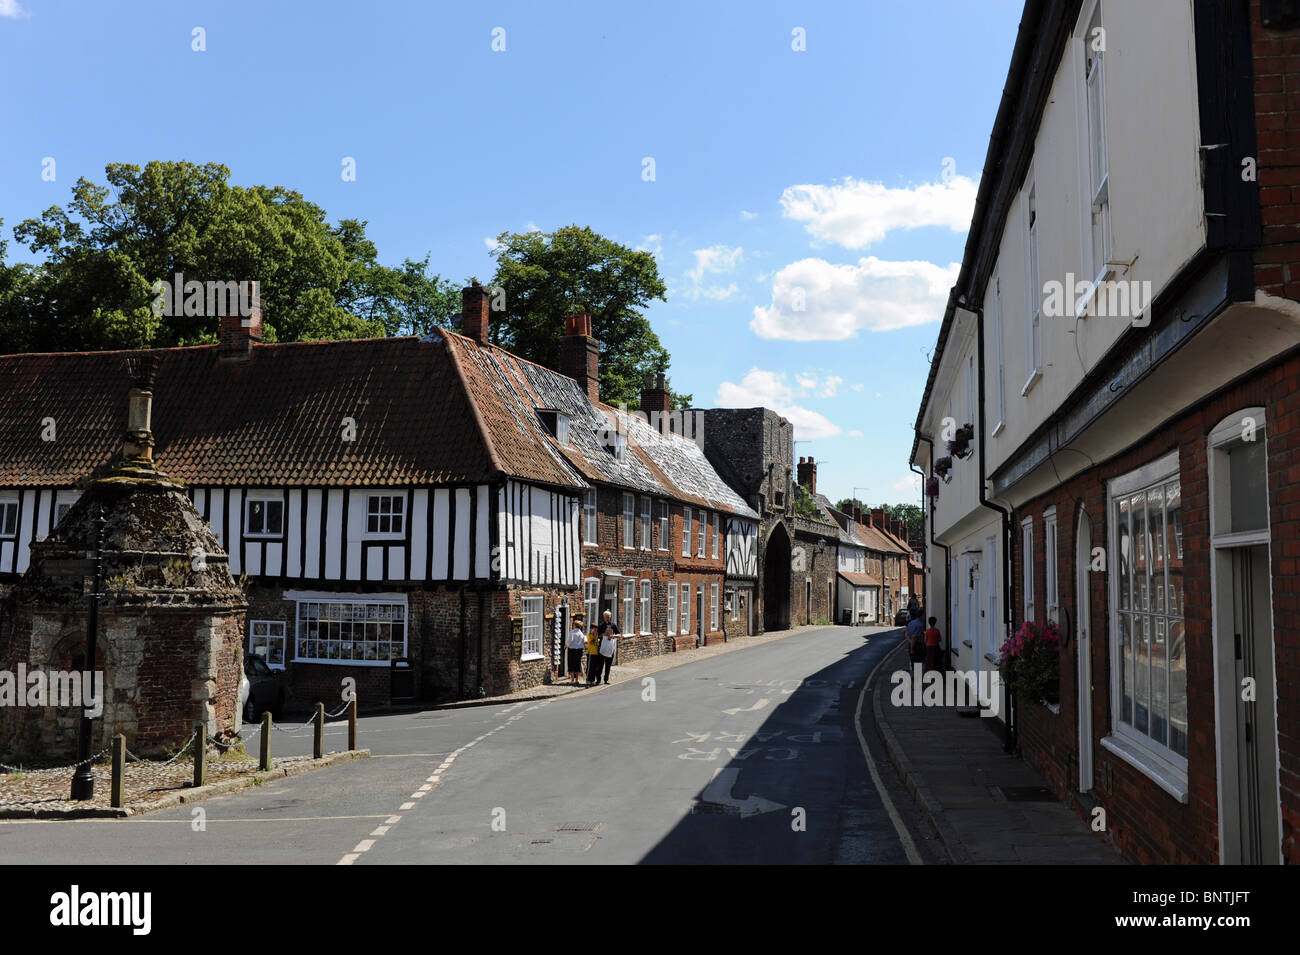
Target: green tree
101,256
548,276
909,514
405,300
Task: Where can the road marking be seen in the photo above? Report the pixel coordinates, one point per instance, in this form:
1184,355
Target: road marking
433,782
719,791
905,837
748,709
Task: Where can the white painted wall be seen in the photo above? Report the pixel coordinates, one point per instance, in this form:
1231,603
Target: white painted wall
1152,138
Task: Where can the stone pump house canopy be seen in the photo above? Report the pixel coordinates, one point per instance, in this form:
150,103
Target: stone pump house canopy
171,616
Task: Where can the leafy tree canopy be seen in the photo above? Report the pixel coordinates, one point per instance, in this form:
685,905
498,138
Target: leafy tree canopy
548,276
102,255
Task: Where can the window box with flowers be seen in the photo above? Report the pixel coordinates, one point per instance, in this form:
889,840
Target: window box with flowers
1030,663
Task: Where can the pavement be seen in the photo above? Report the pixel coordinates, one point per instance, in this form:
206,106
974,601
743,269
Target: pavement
956,771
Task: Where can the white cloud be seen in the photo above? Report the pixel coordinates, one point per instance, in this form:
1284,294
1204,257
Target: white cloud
855,433
830,386
715,260
652,244
814,300
806,382
490,242
746,215
855,214
770,389
858,387
877,394
12,9
910,483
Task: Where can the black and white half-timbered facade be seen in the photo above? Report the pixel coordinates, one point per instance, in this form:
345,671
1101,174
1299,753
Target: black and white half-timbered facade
390,504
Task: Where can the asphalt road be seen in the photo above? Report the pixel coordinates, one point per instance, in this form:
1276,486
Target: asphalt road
747,757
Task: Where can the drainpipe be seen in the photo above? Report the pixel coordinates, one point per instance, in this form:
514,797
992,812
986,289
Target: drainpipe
1009,742
947,563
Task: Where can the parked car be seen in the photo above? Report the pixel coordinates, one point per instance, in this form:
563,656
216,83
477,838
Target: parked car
265,688
901,618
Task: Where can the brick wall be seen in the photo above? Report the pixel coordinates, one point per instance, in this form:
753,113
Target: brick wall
1147,824
659,567
1276,61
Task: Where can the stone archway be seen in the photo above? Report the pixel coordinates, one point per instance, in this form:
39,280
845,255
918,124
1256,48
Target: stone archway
776,580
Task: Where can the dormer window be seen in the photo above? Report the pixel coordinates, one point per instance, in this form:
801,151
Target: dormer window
556,423
619,446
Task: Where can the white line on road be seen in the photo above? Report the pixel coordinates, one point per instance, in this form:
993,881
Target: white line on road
905,837
434,781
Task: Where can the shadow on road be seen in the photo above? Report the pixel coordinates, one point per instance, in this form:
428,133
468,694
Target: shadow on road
795,791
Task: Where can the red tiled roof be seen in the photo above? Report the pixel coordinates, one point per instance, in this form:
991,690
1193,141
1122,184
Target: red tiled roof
509,390
859,580
275,419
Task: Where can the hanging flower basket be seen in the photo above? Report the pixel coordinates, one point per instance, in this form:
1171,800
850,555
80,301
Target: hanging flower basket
1030,662
942,467
960,445
932,486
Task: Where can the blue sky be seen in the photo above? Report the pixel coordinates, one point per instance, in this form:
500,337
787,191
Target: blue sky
800,209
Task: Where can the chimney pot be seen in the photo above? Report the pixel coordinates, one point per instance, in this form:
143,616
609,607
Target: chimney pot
580,354
655,399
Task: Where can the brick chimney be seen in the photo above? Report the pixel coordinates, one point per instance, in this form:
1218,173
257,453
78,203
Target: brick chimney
655,397
856,512
580,354
239,333
474,312
877,517
807,474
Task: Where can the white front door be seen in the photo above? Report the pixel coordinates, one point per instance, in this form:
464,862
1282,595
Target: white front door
1082,636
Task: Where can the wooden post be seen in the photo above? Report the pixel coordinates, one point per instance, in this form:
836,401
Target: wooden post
318,738
264,758
119,770
352,724
200,752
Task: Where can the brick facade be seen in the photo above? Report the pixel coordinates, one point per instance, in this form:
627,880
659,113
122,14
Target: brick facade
1149,825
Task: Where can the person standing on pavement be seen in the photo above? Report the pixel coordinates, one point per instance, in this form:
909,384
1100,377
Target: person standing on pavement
608,633
916,638
593,657
576,643
932,646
